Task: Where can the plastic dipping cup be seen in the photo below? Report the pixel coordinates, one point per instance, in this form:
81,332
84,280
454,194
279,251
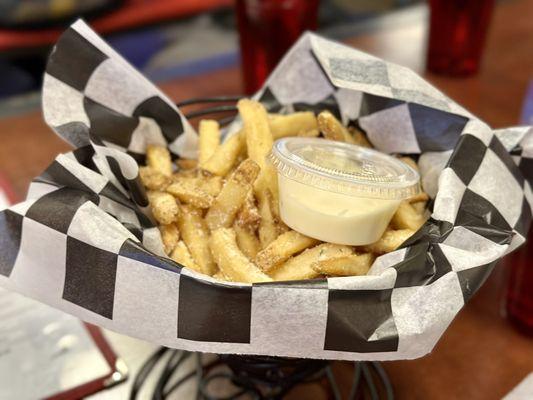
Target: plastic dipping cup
338,192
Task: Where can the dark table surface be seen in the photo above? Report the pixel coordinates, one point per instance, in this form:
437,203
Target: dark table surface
480,356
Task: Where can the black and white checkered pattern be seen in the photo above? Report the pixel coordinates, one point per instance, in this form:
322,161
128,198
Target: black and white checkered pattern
82,243
91,95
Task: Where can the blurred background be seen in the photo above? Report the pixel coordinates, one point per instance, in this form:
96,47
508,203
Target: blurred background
159,37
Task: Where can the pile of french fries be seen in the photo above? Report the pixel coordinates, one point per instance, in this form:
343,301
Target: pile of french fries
219,214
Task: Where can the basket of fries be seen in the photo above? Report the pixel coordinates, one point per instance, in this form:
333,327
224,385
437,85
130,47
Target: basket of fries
191,240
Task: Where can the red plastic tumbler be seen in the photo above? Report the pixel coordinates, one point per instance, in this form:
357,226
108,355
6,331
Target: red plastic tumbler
520,288
457,35
267,29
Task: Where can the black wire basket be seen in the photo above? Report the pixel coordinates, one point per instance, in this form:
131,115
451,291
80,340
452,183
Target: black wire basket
252,377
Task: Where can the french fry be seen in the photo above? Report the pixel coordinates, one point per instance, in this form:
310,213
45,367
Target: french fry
186,164
268,228
283,247
221,277
184,174
420,197
274,116
158,158
257,130
153,179
274,207
259,143
282,228
231,261
300,266
247,241
309,133
170,235
230,199
225,155
390,241
411,162
263,192
406,217
236,164
164,207
421,208
196,236
212,185
349,265
248,217
219,215
332,128
187,192
209,140
359,137
182,255
295,124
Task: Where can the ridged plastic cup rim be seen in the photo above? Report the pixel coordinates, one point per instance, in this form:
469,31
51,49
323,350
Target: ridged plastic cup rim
381,176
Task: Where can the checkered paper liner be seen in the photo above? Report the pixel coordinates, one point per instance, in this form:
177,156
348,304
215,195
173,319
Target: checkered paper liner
82,241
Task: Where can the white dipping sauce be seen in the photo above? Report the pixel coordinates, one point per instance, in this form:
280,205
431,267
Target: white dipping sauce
333,217
337,192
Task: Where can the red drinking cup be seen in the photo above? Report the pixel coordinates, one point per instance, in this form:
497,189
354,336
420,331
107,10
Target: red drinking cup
267,29
457,35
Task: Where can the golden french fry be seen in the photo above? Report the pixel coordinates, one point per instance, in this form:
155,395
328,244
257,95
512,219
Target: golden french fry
257,130
187,192
186,164
221,277
295,124
309,133
231,261
209,140
268,227
359,137
158,158
164,207
411,162
259,143
263,192
196,236
210,184
390,241
420,197
282,228
406,217
230,199
420,207
248,217
349,265
182,255
300,266
225,155
153,179
333,129
184,174
236,164
283,247
170,235
247,241
219,215
266,188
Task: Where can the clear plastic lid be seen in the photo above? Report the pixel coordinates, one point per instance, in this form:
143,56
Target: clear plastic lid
344,168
